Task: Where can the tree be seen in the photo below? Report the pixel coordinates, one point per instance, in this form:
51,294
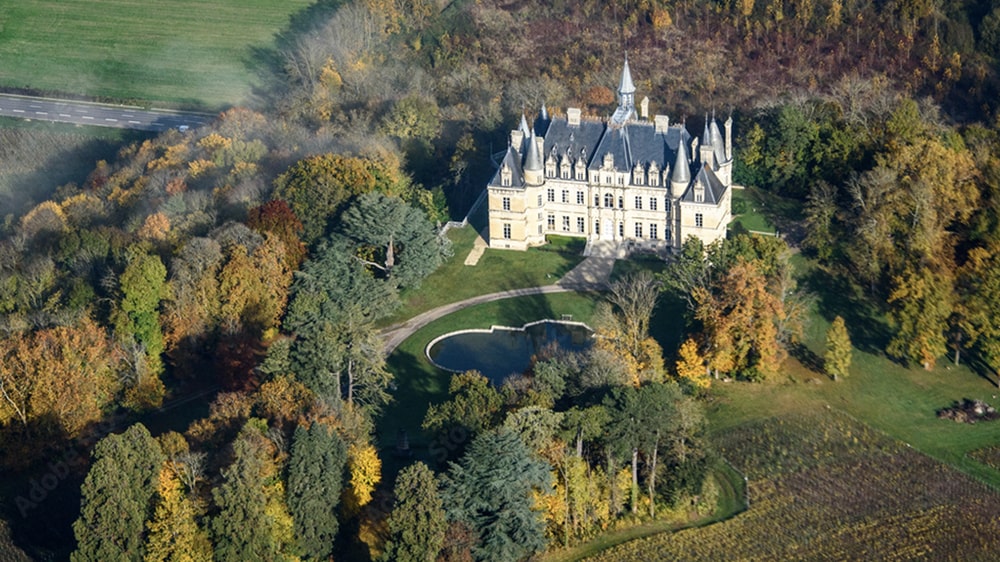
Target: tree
837,359
474,406
365,469
740,319
316,471
252,522
490,491
66,376
921,303
317,188
691,367
117,497
174,535
143,286
277,218
979,299
417,524
393,238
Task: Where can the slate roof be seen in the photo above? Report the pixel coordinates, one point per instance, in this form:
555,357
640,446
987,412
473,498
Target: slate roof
638,142
562,139
513,160
714,190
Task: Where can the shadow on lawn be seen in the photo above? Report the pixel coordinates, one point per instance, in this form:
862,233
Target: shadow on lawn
837,297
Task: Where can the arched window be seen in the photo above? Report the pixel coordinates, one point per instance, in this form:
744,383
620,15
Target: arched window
609,200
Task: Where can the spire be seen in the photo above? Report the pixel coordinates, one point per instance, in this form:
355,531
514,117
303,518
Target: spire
524,126
533,160
626,87
682,168
626,97
545,113
706,137
718,146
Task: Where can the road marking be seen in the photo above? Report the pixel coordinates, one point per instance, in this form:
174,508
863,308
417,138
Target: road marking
110,119
135,122
41,113
87,117
18,111
65,115
32,106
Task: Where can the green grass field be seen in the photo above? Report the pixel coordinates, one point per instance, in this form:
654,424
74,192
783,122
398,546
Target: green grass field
189,53
497,270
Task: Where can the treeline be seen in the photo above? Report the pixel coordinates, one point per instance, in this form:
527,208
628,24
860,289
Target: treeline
901,211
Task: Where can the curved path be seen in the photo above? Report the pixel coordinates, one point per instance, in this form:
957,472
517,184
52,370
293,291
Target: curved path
591,274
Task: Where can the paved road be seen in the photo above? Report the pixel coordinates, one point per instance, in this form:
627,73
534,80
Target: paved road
98,114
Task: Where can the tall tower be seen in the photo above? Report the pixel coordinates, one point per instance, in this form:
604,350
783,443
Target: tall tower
626,97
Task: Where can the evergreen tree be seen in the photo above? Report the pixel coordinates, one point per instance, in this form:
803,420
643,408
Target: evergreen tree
251,523
837,359
417,525
117,497
315,480
490,491
174,535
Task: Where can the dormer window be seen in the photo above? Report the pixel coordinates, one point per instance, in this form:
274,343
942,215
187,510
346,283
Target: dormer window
580,170
505,175
654,174
638,177
609,161
550,167
564,168
699,192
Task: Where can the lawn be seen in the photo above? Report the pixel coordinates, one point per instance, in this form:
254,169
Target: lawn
748,211
497,270
188,53
418,383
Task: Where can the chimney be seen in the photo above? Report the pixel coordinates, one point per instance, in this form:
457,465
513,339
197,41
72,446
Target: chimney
573,116
661,123
644,107
517,139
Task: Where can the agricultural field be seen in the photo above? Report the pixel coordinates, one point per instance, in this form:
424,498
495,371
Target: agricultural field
823,486
188,53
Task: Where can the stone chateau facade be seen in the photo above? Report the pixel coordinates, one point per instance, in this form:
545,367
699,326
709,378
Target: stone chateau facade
634,182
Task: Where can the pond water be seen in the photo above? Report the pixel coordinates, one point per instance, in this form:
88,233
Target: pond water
502,351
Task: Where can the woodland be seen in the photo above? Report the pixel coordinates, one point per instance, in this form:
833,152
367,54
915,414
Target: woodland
238,275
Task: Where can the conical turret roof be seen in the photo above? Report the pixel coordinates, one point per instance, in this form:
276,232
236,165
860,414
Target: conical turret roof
532,160
682,167
626,86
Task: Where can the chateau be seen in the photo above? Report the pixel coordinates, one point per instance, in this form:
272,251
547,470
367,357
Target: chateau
634,182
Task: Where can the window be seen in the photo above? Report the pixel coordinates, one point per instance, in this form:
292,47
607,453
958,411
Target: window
564,171
551,222
551,195
667,209
580,224
597,226
638,203
621,180
609,200
621,230
506,203
539,199
652,231
506,231
699,221
652,203
597,200
565,196
638,230
579,198
621,202
565,222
